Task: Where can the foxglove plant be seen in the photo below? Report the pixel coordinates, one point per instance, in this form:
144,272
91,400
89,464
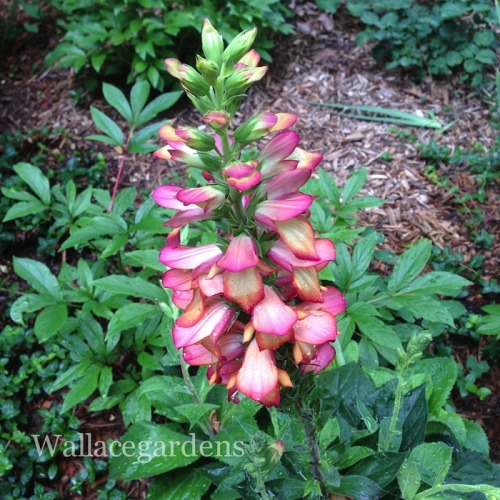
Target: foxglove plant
254,299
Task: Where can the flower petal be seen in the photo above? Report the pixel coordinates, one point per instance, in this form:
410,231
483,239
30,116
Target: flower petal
244,288
216,319
258,376
317,328
240,254
324,356
184,257
298,235
281,255
284,208
271,315
306,282
177,279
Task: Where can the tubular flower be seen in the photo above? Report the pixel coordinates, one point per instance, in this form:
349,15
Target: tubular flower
252,298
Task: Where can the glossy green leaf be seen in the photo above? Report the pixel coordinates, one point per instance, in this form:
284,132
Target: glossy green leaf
82,389
138,97
182,485
23,209
152,449
409,480
38,275
50,321
433,461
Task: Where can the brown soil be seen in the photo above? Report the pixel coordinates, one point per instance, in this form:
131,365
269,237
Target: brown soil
320,64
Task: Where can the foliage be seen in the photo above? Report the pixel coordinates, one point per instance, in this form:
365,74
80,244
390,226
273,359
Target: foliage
437,38
95,328
100,36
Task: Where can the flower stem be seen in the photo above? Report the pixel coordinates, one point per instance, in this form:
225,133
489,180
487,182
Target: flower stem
117,182
306,419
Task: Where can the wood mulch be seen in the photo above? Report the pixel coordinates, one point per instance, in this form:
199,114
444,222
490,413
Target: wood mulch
320,64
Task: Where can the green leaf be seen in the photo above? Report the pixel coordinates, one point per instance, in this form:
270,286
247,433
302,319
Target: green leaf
183,485
409,266
442,372
359,487
105,380
354,184
438,282
50,321
29,302
138,97
145,258
454,58
433,461
129,316
486,56
381,467
362,255
115,97
135,287
425,307
152,449
35,179
409,479
453,9
82,389
153,76
484,38
413,416
476,439
452,423
24,208
107,125
353,455
70,375
195,412
161,103
38,276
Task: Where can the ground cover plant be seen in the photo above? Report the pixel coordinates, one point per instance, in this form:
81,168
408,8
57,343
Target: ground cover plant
371,424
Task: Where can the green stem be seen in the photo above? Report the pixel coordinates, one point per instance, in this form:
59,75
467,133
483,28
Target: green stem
306,419
398,401
189,383
339,356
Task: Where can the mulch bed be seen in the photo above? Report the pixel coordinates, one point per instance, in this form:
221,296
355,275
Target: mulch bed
320,64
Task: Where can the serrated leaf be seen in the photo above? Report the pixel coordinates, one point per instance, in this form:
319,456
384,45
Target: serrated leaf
409,479
107,125
116,98
443,373
433,461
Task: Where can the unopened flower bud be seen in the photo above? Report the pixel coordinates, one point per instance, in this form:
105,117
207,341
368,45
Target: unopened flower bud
208,69
193,81
196,139
239,46
211,42
173,66
255,128
216,120
239,81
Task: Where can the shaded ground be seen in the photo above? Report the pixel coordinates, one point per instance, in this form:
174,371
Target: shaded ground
321,64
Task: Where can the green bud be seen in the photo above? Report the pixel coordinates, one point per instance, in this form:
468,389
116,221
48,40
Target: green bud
211,42
239,46
193,81
196,139
208,69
